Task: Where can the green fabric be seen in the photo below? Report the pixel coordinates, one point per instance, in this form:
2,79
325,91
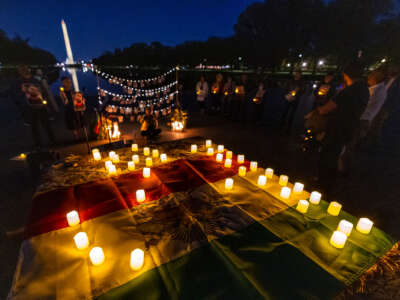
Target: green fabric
250,264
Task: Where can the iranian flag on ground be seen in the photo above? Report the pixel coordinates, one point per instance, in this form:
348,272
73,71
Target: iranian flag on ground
200,241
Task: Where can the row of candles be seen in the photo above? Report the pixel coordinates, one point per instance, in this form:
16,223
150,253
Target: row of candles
338,238
96,254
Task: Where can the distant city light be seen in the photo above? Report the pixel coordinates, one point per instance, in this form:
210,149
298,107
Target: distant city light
300,55
314,86
321,62
288,65
383,60
304,64
240,58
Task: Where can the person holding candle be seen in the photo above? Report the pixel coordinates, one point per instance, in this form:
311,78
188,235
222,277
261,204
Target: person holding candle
325,90
66,95
149,127
228,92
202,94
345,110
216,93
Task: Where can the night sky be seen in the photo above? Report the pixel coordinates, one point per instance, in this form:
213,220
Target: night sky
97,26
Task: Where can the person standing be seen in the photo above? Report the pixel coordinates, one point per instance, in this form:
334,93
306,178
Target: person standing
202,93
216,93
239,104
325,90
295,91
71,118
33,107
228,92
149,124
345,109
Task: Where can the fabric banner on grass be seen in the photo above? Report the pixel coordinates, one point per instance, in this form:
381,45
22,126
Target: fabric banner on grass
200,241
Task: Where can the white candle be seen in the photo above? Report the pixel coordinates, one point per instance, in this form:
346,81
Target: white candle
345,226
315,198
111,154
228,163
253,166
146,151
298,188
163,157
149,162
135,148
210,151
242,171
81,240
262,180
302,206
193,148
155,153
240,159
137,259
338,239
285,192
115,158
219,157
364,225
96,156
94,150
269,173
228,183
96,256
73,218
108,163
229,154
140,195
220,148
208,143
131,165
283,180
135,158
112,170
334,208
146,172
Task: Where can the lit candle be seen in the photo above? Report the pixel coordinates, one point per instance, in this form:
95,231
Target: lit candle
228,183
108,163
146,151
334,208
95,150
345,226
135,148
285,192
228,163
81,240
219,157
240,159
163,157
193,148
364,225
155,153
96,156
208,143
146,172
73,218
220,148
253,166
140,196
283,180
210,151
112,170
262,180
96,256
149,161
131,165
242,171
22,155
135,158
302,206
298,188
338,239
111,154
115,158
229,154
315,198
269,173
137,259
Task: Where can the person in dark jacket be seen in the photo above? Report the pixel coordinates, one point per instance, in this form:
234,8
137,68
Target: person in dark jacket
295,91
149,125
325,90
71,117
346,109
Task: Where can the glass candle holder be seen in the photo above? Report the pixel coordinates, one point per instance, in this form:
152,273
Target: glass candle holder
269,173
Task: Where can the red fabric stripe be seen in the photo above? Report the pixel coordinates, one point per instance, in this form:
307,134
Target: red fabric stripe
97,198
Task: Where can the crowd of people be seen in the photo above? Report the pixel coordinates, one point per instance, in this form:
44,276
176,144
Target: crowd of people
347,111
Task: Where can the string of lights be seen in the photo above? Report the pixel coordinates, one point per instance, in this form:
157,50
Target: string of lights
125,96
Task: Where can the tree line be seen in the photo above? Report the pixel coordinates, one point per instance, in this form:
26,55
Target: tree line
273,32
